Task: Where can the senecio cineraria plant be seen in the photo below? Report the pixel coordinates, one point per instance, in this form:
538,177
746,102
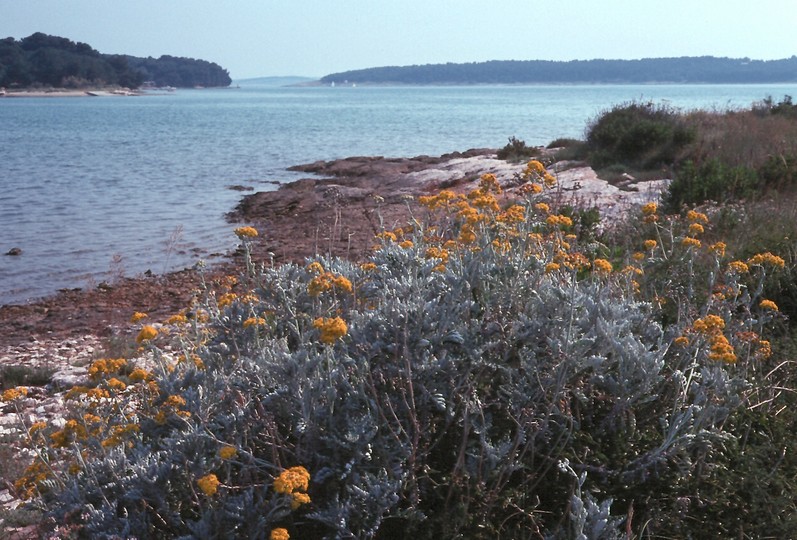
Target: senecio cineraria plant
482,374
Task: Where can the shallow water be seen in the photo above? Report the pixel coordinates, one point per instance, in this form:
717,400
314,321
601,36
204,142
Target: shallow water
94,188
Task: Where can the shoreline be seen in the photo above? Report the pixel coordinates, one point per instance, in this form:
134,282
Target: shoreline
337,212
110,91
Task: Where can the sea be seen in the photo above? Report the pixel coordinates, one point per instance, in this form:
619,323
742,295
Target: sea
98,188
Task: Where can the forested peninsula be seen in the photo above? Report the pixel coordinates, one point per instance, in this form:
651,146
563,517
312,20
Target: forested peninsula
45,60
683,70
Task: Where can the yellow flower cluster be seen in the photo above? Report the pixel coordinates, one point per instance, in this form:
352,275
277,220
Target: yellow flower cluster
254,321
279,534
441,200
105,366
331,329
147,333
35,474
209,484
709,324
228,452
246,232
226,299
650,244
767,258
178,318
718,248
602,266
512,215
721,349
696,217
488,182
768,304
119,434
738,267
71,431
559,220
294,482
14,393
649,212
688,242
327,281
137,316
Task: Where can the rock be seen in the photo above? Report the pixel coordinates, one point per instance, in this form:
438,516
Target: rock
14,252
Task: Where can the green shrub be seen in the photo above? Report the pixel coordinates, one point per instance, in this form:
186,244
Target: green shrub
516,151
638,136
710,181
482,375
21,375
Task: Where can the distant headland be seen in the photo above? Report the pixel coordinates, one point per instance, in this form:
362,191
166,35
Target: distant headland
683,70
42,60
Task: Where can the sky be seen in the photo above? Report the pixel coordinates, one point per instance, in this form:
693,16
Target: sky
254,38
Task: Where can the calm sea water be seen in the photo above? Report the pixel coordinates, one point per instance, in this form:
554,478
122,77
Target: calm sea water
93,188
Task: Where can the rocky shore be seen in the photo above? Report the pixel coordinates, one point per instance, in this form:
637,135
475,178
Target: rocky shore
335,212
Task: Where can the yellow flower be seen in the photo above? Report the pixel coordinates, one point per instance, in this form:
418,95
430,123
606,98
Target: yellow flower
178,318
489,182
649,209
331,329
718,248
209,484
228,452
766,258
299,499
738,267
650,244
439,268
690,242
437,253
279,534
406,244
768,304
602,266
710,324
721,349
555,220
291,480
551,267
139,374
530,189
514,214
105,366
764,349
682,341
36,427
534,167
137,316
116,384
368,267
467,235
542,207
175,401
696,217
254,321
246,232
315,267
695,229
147,333
638,256
15,393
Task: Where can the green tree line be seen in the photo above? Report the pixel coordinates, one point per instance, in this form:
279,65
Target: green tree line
704,69
45,60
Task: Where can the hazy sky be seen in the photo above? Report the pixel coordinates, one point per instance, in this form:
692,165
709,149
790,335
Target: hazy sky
254,38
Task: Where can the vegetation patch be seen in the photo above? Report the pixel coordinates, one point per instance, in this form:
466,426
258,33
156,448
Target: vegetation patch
488,371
